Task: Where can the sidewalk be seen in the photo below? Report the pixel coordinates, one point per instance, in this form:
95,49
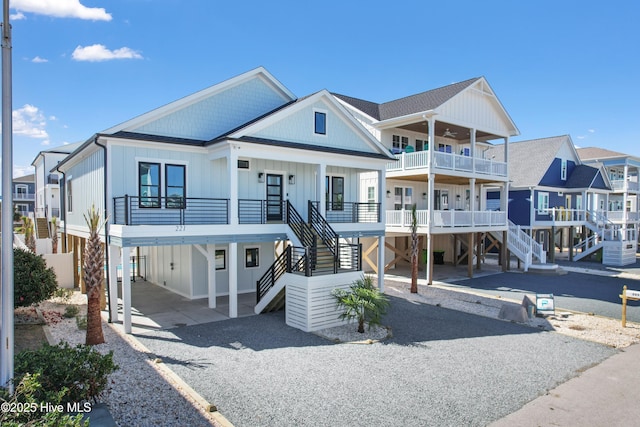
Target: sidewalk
605,395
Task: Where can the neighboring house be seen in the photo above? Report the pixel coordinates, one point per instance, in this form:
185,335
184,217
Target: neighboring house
228,191
622,207
439,139
47,198
559,201
24,189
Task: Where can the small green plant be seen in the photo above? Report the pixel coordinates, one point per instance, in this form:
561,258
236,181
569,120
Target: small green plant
32,415
71,311
81,371
63,293
33,281
363,302
81,322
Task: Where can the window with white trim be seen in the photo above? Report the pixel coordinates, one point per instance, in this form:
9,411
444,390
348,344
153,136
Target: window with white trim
69,195
543,203
320,125
403,198
371,198
422,145
399,142
563,170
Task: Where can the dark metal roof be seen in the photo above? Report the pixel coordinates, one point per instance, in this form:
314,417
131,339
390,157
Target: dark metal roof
156,138
410,104
301,146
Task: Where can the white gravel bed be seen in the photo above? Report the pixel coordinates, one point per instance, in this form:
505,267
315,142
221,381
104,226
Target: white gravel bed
140,392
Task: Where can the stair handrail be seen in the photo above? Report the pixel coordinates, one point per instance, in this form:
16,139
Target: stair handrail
532,246
323,229
301,229
292,260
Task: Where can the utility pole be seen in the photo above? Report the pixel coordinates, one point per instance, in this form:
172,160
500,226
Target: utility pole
6,301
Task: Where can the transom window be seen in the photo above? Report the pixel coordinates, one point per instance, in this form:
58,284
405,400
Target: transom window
320,123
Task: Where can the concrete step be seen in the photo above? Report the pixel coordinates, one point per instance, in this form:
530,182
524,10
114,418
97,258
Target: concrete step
546,269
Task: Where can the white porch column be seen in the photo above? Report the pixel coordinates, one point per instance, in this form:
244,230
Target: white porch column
381,263
233,279
210,254
472,140
472,195
114,256
382,194
211,274
321,191
126,288
232,173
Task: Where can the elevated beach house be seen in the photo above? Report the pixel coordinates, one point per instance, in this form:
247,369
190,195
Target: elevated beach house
561,202
239,188
439,140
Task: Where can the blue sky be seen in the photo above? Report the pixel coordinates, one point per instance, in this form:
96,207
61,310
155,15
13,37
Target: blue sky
558,67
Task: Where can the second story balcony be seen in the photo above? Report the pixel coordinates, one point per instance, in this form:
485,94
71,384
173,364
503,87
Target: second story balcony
446,219
412,161
618,185
133,210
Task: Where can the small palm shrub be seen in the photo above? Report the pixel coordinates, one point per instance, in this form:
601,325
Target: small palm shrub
362,302
81,371
33,281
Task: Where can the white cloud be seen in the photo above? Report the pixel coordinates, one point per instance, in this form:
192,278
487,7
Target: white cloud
19,171
30,122
591,131
17,16
38,60
581,137
98,52
61,9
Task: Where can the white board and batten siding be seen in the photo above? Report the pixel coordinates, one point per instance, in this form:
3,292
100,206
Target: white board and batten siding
619,253
87,181
310,305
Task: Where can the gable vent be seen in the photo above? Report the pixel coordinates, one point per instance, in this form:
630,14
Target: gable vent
243,164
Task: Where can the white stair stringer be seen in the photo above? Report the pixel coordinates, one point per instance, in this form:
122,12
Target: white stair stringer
588,246
280,284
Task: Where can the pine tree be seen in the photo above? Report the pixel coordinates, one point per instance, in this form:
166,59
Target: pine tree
93,274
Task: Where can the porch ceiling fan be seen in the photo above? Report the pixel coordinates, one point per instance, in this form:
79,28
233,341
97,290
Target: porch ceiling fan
448,134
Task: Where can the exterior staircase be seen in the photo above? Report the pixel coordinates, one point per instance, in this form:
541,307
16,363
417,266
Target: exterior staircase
317,251
525,248
42,228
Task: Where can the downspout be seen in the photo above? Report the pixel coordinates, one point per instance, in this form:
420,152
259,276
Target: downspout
106,224
63,205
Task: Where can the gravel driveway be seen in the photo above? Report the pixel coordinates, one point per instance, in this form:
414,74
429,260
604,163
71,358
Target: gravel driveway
440,368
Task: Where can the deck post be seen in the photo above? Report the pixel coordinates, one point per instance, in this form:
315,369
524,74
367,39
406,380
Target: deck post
114,255
233,279
126,288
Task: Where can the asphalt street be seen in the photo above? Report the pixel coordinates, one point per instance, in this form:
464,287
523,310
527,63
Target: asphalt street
588,293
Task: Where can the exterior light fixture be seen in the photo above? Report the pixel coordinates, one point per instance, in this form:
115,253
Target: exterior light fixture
292,179
260,177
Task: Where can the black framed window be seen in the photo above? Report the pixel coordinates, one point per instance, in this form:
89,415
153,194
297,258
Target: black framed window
337,193
320,123
221,259
252,257
149,184
175,186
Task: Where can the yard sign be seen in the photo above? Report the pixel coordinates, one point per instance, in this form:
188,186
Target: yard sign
627,294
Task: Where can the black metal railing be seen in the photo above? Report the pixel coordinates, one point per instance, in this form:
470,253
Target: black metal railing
134,210
351,212
323,229
300,228
309,263
256,211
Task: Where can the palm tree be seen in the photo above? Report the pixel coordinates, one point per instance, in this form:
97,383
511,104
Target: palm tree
414,250
93,274
29,237
54,235
363,302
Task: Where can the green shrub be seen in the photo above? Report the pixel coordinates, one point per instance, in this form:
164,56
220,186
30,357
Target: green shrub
82,371
31,414
71,311
363,302
63,293
33,281
81,322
